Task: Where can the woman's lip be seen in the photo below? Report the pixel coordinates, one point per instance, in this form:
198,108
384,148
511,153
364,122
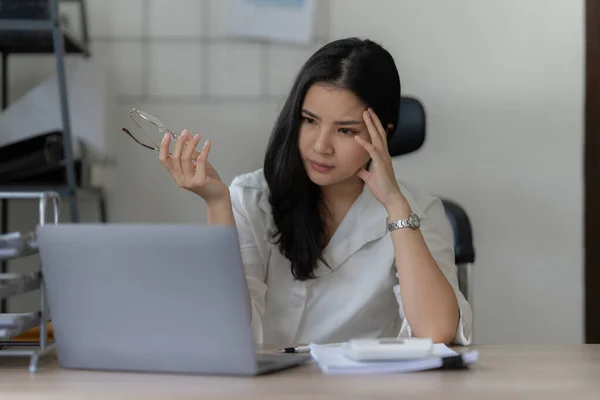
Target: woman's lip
321,168
322,165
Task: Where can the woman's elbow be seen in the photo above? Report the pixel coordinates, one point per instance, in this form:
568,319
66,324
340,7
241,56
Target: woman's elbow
439,333
445,337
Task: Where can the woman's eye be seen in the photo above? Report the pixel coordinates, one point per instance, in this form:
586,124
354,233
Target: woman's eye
347,131
309,120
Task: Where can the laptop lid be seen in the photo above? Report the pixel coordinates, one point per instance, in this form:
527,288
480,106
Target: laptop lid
145,297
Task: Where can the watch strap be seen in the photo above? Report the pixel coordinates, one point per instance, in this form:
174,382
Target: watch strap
412,221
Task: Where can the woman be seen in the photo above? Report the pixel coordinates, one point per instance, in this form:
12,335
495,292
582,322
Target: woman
322,263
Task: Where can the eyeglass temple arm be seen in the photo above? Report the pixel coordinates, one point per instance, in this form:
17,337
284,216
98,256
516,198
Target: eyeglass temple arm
138,142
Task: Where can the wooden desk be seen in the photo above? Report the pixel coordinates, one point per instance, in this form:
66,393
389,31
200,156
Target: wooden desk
503,372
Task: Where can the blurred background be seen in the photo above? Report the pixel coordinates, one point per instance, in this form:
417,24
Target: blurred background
501,81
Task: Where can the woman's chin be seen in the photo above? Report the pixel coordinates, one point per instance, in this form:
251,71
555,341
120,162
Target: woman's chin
322,179
326,179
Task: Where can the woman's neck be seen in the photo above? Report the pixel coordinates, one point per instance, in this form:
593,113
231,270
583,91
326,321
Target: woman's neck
338,198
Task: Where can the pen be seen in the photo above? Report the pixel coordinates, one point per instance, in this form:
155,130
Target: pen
302,349
298,349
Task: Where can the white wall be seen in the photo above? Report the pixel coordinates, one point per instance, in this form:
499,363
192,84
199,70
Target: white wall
502,84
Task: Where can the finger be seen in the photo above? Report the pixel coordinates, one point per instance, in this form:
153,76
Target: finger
372,150
195,153
364,175
180,144
375,136
188,139
379,126
176,155
200,175
194,158
186,157
163,155
376,123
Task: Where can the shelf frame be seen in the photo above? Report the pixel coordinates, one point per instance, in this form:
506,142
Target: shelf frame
59,40
34,352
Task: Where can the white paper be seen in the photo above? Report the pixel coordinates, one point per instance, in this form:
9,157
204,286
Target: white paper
278,20
332,360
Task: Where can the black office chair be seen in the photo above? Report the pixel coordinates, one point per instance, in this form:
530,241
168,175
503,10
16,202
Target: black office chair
409,137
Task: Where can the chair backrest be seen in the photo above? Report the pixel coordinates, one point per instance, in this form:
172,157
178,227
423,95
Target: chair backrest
410,133
409,137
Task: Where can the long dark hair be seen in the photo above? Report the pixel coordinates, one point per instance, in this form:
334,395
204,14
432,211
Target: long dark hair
366,69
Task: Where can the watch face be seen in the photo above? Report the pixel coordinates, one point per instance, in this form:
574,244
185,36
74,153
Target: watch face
415,222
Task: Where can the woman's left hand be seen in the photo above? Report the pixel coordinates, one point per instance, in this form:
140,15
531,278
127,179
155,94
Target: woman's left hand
381,180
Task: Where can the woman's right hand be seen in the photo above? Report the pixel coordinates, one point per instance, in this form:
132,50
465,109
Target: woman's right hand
200,178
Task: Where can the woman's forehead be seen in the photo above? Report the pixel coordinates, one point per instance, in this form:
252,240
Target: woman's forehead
332,102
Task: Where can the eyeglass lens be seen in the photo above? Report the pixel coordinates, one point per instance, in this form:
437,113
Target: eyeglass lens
150,130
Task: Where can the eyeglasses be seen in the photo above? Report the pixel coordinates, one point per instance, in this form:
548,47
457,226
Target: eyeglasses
151,130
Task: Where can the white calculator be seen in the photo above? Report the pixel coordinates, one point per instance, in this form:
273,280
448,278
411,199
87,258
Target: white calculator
391,349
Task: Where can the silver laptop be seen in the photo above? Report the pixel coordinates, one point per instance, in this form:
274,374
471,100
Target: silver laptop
156,298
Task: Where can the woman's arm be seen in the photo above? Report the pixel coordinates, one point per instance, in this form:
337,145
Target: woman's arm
428,299
220,212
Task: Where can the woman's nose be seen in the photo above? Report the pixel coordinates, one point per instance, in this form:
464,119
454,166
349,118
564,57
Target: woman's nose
323,142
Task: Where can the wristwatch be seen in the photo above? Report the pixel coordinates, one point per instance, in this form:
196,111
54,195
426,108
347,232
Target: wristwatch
412,221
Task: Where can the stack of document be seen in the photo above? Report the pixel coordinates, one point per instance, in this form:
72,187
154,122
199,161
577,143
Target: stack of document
13,324
333,360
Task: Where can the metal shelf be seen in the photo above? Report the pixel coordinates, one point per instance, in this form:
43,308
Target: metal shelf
49,175
37,42
26,25
41,33
62,190
12,325
97,193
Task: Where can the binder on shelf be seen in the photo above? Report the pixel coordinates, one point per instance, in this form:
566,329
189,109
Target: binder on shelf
17,244
31,156
40,160
13,284
23,9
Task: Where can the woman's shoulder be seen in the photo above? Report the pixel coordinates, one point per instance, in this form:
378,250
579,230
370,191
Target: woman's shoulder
254,180
420,201
250,189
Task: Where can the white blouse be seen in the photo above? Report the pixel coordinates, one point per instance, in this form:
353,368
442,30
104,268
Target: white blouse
360,295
